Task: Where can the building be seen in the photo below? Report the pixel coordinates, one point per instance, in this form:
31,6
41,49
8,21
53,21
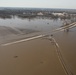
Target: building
40,14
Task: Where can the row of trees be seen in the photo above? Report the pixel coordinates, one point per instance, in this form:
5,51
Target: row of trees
23,13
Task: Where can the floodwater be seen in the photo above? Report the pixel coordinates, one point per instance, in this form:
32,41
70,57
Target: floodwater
39,24
35,57
46,64
67,43
17,28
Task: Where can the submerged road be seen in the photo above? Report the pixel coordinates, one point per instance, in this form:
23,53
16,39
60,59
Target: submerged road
65,27
65,66
23,40
39,36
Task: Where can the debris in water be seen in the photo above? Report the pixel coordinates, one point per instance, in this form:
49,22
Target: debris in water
51,34
15,56
47,23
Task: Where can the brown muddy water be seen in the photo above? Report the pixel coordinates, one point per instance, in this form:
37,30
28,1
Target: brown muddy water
39,56
35,57
67,44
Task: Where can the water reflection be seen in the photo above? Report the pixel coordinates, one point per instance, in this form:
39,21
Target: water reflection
5,16
28,17
35,23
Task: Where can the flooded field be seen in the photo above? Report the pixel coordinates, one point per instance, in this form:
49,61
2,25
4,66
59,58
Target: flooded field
20,28
67,44
23,46
45,24
35,57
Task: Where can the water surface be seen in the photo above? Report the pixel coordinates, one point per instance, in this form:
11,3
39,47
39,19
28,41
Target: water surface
34,23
